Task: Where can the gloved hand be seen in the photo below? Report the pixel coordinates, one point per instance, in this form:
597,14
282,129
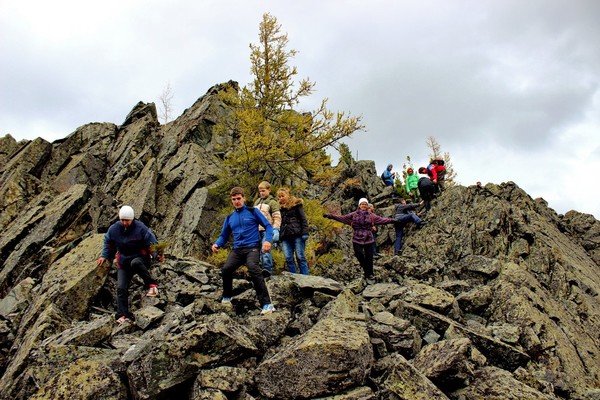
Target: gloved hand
305,237
275,235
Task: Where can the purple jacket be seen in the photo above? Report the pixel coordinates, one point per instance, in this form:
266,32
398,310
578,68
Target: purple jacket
362,222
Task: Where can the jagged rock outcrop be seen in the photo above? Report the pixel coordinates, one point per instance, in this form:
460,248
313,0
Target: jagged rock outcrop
496,297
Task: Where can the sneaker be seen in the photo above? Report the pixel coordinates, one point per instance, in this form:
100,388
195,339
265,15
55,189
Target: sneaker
267,309
266,273
153,291
226,300
422,224
122,320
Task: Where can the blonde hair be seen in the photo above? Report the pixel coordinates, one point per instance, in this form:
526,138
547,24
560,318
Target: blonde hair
291,199
264,185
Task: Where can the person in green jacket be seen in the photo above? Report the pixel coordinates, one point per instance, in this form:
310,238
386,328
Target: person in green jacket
412,183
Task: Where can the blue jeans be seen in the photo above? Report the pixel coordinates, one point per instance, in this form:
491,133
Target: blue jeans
399,226
296,245
266,259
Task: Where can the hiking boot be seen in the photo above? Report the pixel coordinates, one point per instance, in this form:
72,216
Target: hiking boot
266,273
153,291
422,224
226,300
267,309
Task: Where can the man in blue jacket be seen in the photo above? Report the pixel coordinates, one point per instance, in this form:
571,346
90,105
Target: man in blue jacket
129,240
243,224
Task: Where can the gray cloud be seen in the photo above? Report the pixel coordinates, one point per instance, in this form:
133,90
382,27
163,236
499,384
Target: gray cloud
511,81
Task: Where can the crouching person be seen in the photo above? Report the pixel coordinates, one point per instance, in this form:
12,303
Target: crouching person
129,240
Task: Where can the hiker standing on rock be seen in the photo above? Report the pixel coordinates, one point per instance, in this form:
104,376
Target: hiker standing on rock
270,209
129,240
243,223
363,223
294,230
412,184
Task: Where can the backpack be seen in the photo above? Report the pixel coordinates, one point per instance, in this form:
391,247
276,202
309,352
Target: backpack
382,177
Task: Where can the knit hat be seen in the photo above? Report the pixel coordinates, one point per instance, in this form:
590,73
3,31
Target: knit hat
363,200
126,212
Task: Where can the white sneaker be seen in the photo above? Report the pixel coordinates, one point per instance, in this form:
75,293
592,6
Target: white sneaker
226,300
267,309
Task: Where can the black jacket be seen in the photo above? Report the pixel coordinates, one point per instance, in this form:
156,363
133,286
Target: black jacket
293,221
403,209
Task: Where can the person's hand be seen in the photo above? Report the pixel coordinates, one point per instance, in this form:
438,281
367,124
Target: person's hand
161,258
101,261
275,235
326,216
266,247
305,237
215,248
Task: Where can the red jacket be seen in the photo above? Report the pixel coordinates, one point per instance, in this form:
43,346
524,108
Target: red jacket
433,170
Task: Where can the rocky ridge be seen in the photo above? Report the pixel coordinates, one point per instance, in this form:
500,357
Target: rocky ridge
496,298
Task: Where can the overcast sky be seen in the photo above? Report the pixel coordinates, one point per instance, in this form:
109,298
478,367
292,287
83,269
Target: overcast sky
510,88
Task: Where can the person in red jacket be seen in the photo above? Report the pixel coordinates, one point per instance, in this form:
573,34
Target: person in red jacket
436,172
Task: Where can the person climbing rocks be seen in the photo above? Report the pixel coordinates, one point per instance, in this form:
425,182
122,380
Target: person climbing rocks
363,224
436,171
243,224
129,241
404,215
426,190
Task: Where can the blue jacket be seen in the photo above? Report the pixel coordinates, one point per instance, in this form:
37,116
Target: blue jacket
129,243
387,176
243,223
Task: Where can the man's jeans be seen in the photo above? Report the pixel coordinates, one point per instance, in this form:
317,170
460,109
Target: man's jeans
295,245
399,226
266,259
124,276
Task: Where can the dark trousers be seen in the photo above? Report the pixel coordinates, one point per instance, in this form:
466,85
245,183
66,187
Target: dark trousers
427,193
249,256
399,227
124,276
364,254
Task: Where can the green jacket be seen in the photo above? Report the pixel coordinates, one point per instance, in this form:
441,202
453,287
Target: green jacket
412,182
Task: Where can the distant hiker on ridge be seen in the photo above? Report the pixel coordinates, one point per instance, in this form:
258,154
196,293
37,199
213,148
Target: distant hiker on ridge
412,184
388,176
